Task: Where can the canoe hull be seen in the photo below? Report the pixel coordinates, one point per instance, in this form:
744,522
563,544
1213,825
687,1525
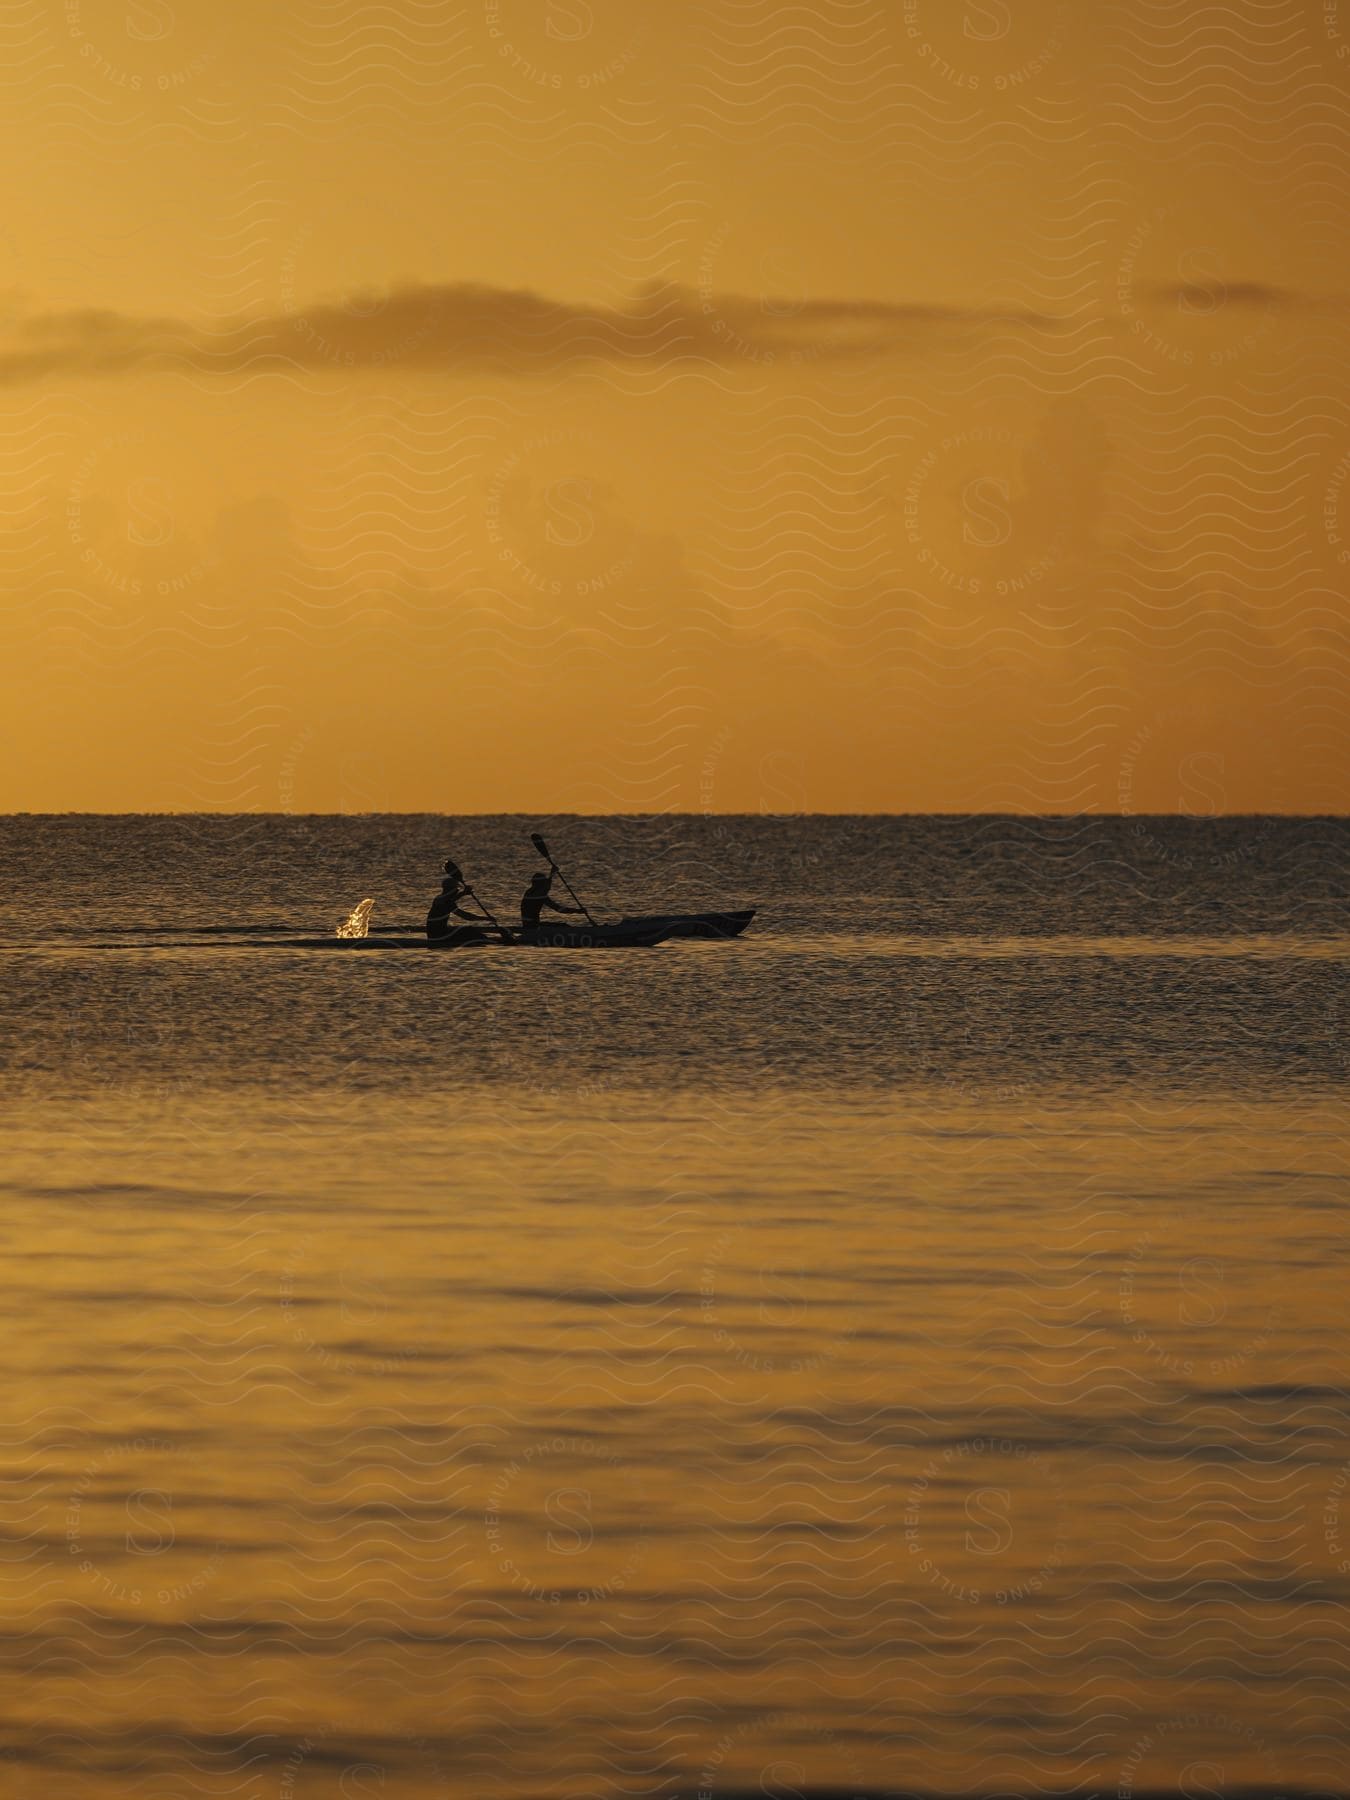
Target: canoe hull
627,934
560,937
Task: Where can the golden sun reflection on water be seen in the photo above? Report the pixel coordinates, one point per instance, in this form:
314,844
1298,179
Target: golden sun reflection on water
599,1441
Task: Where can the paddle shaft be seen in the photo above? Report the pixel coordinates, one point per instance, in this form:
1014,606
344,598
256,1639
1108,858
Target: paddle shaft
567,884
540,845
482,909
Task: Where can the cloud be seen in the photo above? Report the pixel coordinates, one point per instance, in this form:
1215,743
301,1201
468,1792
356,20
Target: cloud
469,327
472,328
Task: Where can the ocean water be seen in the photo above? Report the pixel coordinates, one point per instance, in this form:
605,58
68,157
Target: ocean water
903,1350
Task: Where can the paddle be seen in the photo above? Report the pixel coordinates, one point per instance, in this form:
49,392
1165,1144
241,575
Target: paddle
496,926
464,888
545,852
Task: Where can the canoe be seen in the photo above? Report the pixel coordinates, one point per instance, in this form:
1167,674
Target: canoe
694,925
549,937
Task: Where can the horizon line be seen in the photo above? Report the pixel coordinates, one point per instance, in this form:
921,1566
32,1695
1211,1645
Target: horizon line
546,813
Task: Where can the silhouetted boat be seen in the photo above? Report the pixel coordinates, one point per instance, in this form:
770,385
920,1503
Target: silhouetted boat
695,925
627,936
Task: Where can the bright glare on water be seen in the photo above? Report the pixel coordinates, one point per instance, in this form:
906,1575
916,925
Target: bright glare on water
357,922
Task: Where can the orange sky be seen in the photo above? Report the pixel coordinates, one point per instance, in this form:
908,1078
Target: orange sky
591,406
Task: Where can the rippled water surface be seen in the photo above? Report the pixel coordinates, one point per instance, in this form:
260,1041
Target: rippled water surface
901,1350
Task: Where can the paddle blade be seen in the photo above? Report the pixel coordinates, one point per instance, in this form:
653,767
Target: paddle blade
540,846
